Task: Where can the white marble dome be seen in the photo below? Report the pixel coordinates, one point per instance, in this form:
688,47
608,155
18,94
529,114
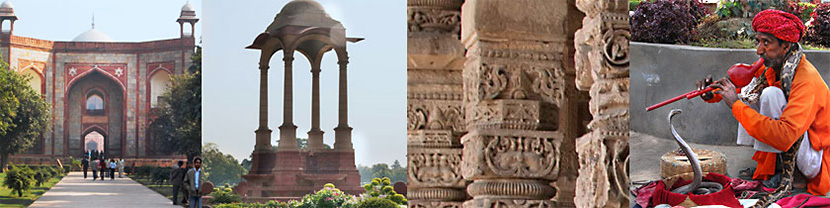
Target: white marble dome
92,35
7,5
188,7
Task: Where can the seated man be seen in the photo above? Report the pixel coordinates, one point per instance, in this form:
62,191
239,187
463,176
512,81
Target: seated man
793,106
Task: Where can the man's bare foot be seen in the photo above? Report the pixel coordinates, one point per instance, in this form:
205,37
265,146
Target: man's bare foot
799,181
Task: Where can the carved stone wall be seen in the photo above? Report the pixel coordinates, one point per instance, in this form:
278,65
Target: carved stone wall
498,126
521,106
602,69
435,113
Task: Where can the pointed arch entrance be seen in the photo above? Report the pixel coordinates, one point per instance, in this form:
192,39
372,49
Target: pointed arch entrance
95,115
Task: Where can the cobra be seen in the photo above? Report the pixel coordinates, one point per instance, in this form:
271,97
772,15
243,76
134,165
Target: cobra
698,186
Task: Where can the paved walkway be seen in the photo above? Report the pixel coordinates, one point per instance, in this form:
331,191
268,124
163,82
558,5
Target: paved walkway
75,191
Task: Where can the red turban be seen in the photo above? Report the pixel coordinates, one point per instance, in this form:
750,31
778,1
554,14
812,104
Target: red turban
783,25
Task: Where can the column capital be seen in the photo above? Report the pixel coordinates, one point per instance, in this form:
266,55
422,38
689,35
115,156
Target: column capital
288,58
343,62
264,67
315,70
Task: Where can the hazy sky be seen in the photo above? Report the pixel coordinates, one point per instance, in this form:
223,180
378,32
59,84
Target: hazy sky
128,21
376,73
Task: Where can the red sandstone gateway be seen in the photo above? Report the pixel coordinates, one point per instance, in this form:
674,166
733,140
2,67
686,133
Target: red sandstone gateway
102,91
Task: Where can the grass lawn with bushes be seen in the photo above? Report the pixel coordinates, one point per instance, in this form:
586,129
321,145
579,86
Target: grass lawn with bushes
10,200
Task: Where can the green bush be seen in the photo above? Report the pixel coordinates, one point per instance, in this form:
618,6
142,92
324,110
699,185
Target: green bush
328,197
19,179
160,175
381,188
41,177
269,204
225,195
377,203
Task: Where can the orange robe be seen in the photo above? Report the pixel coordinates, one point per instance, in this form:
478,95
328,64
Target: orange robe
806,110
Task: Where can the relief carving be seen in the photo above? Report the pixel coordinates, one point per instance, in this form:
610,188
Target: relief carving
436,169
602,62
522,157
432,20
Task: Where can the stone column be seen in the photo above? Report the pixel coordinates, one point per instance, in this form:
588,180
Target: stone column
434,104
263,134
288,131
602,69
519,149
315,135
343,133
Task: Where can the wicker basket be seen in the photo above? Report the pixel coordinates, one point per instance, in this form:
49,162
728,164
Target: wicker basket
672,164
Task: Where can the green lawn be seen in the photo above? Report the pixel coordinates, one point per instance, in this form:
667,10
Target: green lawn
165,190
9,200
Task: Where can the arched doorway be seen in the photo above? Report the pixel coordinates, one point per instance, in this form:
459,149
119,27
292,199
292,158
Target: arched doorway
94,142
95,114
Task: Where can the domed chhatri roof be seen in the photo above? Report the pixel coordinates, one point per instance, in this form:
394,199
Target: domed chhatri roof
305,13
188,7
7,10
7,5
92,35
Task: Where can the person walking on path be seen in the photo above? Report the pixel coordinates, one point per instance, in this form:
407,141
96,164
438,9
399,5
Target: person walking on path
193,181
85,166
112,167
176,178
121,168
95,169
103,167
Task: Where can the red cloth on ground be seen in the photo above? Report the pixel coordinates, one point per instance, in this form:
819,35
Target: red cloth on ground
807,199
725,197
644,194
783,25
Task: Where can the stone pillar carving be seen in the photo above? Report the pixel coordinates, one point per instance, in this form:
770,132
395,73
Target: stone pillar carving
288,131
519,148
434,110
602,70
315,135
343,133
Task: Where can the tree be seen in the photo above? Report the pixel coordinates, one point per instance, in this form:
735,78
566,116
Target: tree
381,170
24,115
178,123
398,172
302,143
220,168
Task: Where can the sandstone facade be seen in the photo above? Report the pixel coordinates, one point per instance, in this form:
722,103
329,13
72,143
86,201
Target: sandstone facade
120,73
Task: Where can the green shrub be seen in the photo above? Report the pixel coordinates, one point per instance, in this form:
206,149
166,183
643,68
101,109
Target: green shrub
160,175
41,177
381,188
377,203
225,195
269,204
328,197
19,179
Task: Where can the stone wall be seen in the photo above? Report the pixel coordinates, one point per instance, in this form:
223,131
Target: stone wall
664,71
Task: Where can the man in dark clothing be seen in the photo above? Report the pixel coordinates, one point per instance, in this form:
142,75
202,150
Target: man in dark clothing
85,165
176,178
